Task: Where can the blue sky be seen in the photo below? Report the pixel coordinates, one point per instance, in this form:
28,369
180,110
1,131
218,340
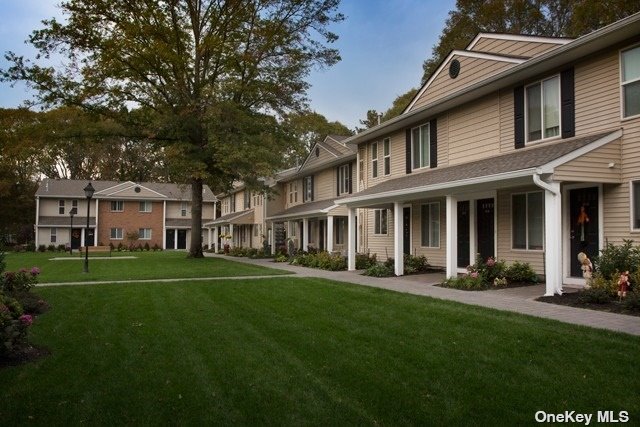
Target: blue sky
382,44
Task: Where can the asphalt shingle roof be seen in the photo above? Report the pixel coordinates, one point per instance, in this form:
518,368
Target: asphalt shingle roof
305,208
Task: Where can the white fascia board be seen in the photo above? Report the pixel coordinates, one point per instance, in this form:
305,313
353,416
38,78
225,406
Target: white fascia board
518,38
549,167
113,188
435,187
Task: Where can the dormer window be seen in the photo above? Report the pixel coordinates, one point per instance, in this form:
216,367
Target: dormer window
543,109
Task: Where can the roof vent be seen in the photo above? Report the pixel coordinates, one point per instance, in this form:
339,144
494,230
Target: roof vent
454,69
317,151
137,189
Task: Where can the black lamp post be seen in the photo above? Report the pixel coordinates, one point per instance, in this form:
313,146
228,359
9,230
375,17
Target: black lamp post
72,212
88,192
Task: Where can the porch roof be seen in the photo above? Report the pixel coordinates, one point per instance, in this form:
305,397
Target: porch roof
235,218
525,162
181,222
319,208
65,221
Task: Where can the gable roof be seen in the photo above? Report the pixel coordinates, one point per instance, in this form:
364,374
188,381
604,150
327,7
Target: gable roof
517,38
73,188
338,151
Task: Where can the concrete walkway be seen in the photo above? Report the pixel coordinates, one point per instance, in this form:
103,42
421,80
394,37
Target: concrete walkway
519,300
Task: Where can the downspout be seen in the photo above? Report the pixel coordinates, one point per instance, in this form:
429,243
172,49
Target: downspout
544,185
553,232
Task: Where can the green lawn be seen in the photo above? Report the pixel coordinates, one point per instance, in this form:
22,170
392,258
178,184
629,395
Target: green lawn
146,265
296,351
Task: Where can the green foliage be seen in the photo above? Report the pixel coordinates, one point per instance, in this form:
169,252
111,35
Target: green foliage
594,296
51,248
467,282
322,260
415,264
364,261
147,247
62,247
379,269
237,251
19,281
281,258
252,252
521,272
42,248
632,301
3,264
13,326
613,259
487,269
608,286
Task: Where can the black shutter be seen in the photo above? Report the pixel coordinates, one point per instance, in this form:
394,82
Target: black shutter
408,150
350,178
433,143
567,103
518,115
312,188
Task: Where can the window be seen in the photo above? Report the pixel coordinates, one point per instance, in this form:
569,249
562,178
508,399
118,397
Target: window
183,209
232,203
145,206
341,226
630,64
420,146
542,109
61,207
307,188
293,192
381,221
144,233
116,234
374,160
117,206
54,235
635,203
430,215
74,205
247,199
344,179
294,227
386,152
527,221
361,170
257,199
225,206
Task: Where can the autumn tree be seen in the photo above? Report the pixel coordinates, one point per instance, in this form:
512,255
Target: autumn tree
309,127
213,75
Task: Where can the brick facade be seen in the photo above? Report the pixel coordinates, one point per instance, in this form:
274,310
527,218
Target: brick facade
130,220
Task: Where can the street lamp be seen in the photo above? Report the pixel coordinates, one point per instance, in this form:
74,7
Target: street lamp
72,212
88,192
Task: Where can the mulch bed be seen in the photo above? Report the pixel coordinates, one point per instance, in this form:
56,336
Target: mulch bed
572,299
493,288
27,355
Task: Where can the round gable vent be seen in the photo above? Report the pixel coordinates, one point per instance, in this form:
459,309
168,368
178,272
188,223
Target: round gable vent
137,189
317,151
454,68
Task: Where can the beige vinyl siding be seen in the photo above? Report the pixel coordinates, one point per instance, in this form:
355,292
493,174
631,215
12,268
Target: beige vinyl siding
338,211
435,256
397,142
443,140
49,207
504,251
474,131
381,245
513,47
62,235
208,209
239,197
472,70
287,205
507,125
325,184
593,166
597,95
323,157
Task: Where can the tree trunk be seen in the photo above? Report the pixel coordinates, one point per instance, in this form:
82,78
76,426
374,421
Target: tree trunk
195,249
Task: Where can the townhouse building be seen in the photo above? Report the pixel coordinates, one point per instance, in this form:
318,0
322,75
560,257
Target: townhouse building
119,212
517,147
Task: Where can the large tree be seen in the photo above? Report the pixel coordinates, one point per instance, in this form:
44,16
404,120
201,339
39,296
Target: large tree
309,127
211,74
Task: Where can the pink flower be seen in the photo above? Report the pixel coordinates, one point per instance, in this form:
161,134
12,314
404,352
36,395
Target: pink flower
35,271
491,262
26,319
474,274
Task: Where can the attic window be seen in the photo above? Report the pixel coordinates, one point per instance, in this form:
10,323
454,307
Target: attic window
454,68
137,189
317,151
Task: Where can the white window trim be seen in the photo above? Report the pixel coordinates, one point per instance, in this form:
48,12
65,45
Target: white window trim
61,205
116,238
439,224
343,184
374,160
375,220
53,235
386,141
116,202
622,84
526,249
339,237
145,238
148,204
526,122
631,218
307,188
428,165
183,209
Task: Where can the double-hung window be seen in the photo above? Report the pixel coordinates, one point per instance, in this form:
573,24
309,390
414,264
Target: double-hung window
430,216
420,146
116,234
386,152
344,178
341,226
293,192
527,221
54,235
374,160
635,205
542,109
145,206
307,188
380,221
144,233
630,76
247,200
61,207
117,206
183,209
232,203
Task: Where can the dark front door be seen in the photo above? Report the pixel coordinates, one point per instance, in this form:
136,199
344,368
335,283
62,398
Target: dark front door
406,230
583,217
76,234
321,235
89,241
464,238
485,210
182,239
171,239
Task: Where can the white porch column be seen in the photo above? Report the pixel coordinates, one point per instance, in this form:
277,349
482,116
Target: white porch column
398,239
330,233
351,238
209,239
164,224
231,244
95,230
552,240
305,234
272,238
452,237
215,239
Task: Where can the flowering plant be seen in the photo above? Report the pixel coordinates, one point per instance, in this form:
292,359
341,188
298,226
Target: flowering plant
21,281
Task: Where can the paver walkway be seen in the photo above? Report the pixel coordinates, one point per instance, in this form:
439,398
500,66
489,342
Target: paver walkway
519,300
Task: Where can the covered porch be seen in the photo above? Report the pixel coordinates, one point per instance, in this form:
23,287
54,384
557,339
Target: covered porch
233,229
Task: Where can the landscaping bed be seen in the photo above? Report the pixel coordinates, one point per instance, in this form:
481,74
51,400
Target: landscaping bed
580,300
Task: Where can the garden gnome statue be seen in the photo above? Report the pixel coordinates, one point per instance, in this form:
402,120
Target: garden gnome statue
623,284
587,268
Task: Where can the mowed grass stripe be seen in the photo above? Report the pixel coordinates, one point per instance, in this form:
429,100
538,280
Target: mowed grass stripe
306,351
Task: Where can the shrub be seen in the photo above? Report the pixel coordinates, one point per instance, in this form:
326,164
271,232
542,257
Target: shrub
3,264
20,281
237,251
364,261
281,258
469,282
62,248
594,296
147,247
120,247
111,246
632,301
608,286
251,253
30,247
415,264
322,260
520,272
51,248
379,269
13,325
612,259
487,270
156,247
42,248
